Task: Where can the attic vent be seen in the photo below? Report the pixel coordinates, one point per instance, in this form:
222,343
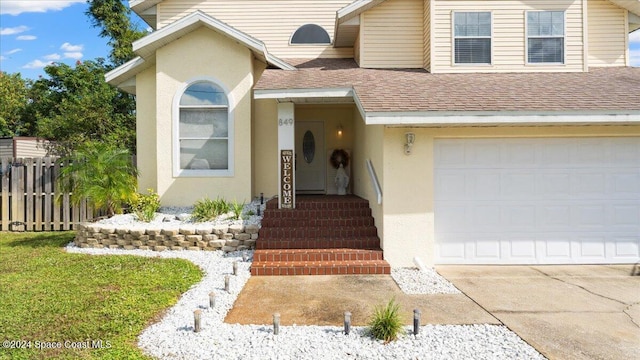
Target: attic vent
310,34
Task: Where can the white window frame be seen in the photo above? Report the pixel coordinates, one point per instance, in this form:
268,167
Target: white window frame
310,44
177,171
454,37
564,37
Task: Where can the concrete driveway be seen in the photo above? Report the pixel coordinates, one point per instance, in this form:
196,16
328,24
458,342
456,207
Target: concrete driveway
565,312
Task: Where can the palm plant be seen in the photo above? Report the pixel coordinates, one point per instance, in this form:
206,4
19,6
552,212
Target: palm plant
100,173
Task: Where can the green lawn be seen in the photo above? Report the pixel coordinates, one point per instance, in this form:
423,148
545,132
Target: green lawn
48,295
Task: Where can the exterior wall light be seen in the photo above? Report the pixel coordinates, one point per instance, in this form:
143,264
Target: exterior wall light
411,138
339,131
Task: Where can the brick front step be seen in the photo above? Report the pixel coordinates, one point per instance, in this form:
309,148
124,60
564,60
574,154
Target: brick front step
302,214
369,242
360,267
317,232
315,222
315,255
330,202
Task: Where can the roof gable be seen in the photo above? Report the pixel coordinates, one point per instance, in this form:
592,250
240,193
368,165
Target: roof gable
146,47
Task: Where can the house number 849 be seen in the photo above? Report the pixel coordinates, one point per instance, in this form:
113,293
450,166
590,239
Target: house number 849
285,122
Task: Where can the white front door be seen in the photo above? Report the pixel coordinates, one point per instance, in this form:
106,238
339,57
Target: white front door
310,162
537,200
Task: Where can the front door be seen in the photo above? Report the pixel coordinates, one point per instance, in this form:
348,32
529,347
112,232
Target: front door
310,158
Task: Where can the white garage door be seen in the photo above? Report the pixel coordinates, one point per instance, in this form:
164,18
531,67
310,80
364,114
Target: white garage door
542,200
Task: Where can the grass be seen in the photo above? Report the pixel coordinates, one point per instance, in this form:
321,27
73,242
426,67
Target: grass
386,322
48,295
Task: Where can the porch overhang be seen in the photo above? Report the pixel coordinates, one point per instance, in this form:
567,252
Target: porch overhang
311,96
449,118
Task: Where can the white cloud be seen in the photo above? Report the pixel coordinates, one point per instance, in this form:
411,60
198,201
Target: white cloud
2,58
11,52
52,57
37,64
73,55
26,37
71,48
15,7
635,36
13,30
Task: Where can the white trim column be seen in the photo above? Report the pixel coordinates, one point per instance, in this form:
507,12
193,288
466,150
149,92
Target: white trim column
286,156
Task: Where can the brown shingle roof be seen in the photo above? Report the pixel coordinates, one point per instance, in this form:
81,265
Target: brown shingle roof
381,90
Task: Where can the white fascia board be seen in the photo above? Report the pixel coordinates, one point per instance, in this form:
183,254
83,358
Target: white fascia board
502,118
141,5
121,73
276,61
354,9
302,93
363,113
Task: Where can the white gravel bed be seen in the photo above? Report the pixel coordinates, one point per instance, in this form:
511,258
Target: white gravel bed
415,281
173,336
173,217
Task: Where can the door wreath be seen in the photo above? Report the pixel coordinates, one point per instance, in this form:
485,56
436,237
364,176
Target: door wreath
339,157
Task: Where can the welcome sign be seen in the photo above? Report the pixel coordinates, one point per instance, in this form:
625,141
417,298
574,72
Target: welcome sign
286,179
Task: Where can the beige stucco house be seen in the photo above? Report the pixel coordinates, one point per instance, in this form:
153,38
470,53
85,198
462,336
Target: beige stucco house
497,132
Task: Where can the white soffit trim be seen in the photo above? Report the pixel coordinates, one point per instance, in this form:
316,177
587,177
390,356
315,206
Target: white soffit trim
126,71
501,118
148,45
632,6
302,93
354,9
310,93
142,5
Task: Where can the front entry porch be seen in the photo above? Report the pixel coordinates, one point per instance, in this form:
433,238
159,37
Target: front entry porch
323,235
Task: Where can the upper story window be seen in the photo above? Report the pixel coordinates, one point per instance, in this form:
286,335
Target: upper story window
310,34
545,37
472,37
204,132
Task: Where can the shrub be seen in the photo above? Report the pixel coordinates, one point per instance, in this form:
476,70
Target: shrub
386,322
207,209
145,206
101,174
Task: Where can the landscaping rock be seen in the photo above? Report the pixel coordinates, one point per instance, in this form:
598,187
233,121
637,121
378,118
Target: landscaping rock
236,229
251,229
220,229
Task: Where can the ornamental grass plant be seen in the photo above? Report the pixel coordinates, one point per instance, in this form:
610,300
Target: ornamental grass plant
207,209
386,322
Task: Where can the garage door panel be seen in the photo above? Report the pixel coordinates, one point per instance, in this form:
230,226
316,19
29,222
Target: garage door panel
626,184
624,216
624,247
588,217
559,200
591,247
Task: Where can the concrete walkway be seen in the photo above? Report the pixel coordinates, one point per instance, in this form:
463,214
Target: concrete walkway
322,300
565,312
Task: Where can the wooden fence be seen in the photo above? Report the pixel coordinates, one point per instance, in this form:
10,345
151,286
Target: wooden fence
28,197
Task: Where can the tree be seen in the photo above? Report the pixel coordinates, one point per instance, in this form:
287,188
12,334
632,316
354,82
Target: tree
14,92
100,173
76,105
112,16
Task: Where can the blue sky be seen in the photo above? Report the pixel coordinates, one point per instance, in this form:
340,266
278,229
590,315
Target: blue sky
34,33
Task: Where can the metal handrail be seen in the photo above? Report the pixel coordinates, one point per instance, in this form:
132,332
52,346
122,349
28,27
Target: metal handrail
374,180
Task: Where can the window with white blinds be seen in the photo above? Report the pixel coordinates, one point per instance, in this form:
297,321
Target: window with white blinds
472,37
545,37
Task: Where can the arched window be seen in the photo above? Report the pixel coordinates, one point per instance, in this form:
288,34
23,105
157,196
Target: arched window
204,131
310,34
